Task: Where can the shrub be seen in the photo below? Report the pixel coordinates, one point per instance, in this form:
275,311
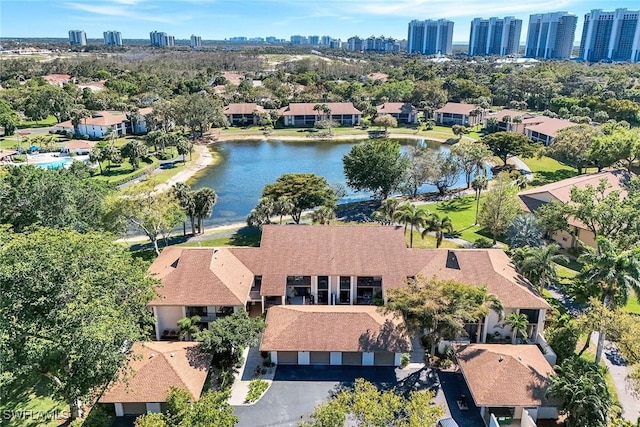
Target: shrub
405,359
483,243
96,418
256,389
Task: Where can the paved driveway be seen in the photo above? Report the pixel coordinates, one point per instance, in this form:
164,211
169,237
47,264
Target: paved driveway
297,390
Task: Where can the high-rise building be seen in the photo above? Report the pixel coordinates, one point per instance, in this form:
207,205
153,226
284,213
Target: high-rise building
161,39
430,37
335,44
196,41
297,39
495,36
355,44
613,36
77,38
325,40
551,35
314,40
112,38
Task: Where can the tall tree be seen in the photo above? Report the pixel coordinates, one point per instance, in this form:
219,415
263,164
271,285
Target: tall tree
518,323
184,147
70,304
500,206
304,190
509,144
134,150
411,217
538,264
421,167
386,213
9,119
198,112
386,121
572,145
262,213
479,183
446,172
471,156
144,209
375,165
229,335
323,215
438,225
583,391
185,197
204,199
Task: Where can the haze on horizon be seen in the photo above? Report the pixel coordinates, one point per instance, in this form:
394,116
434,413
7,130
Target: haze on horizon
222,19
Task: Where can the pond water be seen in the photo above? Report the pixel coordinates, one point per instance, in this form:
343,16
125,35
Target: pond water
245,167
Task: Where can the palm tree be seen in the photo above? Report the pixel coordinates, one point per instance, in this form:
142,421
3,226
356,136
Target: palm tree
613,273
439,225
283,206
519,324
386,212
262,213
538,265
323,215
96,156
188,326
479,183
186,199
409,215
184,146
204,198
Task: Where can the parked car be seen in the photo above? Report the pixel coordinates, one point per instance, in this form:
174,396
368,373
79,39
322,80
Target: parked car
447,422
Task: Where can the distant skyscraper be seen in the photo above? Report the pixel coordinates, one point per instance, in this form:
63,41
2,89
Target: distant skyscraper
196,41
325,40
314,40
161,39
495,36
551,35
112,38
430,37
77,38
299,40
611,36
355,44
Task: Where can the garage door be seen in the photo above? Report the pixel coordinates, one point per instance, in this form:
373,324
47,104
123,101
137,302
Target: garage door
352,358
383,358
320,358
134,408
287,358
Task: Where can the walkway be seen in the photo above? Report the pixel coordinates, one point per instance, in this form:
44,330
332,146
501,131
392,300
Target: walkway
246,373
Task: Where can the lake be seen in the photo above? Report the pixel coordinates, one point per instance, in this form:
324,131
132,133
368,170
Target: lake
245,167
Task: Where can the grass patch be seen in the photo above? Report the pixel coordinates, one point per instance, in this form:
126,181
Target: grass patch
256,389
590,355
633,306
243,237
49,121
547,170
429,241
32,393
125,172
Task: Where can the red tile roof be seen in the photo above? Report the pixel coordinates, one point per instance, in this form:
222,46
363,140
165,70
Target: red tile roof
333,328
157,367
550,126
105,118
306,109
505,374
242,108
79,144
457,108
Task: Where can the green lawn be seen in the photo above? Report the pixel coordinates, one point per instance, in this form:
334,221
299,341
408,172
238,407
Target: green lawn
242,237
49,121
590,355
429,241
462,211
31,394
122,172
633,306
547,170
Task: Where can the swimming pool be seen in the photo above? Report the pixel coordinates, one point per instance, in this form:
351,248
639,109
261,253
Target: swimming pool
56,164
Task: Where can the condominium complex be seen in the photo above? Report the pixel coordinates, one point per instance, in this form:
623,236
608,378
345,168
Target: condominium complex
161,39
495,36
430,37
77,38
611,36
196,41
373,44
112,38
551,35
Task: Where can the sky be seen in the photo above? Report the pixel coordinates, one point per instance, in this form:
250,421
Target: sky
221,19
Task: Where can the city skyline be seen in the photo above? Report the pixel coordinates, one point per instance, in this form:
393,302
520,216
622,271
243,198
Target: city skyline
223,19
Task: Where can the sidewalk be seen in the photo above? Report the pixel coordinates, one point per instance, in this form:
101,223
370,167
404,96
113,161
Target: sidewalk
245,374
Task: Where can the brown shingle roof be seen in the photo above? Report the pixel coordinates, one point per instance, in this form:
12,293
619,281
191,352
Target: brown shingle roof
242,108
79,144
457,108
161,365
396,108
7,153
479,267
306,109
105,118
333,328
194,276
505,374
550,126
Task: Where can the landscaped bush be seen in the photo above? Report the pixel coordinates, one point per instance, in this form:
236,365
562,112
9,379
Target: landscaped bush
20,158
256,388
405,359
483,243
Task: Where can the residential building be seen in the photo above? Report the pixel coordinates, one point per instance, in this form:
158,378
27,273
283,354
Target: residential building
377,44
314,40
303,114
325,40
537,127
546,130
242,114
335,44
102,123
112,38
495,36
196,42
325,281
455,113
161,39
403,112
155,368
508,382
551,35
78,146
77,38
272,39
430,37
532,199
355,44
611,36
298,39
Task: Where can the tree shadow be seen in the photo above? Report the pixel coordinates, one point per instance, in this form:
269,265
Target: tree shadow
357,211
457,204
547,177
18,397
246,236
388,338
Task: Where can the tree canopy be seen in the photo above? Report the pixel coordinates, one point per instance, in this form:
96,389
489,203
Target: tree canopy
500,206
303,190
509,144
70,304
375,165
572,145
230,334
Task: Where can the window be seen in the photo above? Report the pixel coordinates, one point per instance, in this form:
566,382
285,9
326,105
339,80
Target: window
345,290
196,311
323,290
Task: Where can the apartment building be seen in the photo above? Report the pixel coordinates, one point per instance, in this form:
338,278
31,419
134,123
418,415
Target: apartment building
112,38
611,36
551,35
495,36
77,38
196,42
430,37
161,39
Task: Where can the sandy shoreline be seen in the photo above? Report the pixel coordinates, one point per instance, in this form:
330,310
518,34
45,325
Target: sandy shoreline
347,137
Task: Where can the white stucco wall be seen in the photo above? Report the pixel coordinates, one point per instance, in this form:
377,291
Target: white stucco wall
274,357
154,407
335,358
168,316
119,409
397,359
304,358
367,358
